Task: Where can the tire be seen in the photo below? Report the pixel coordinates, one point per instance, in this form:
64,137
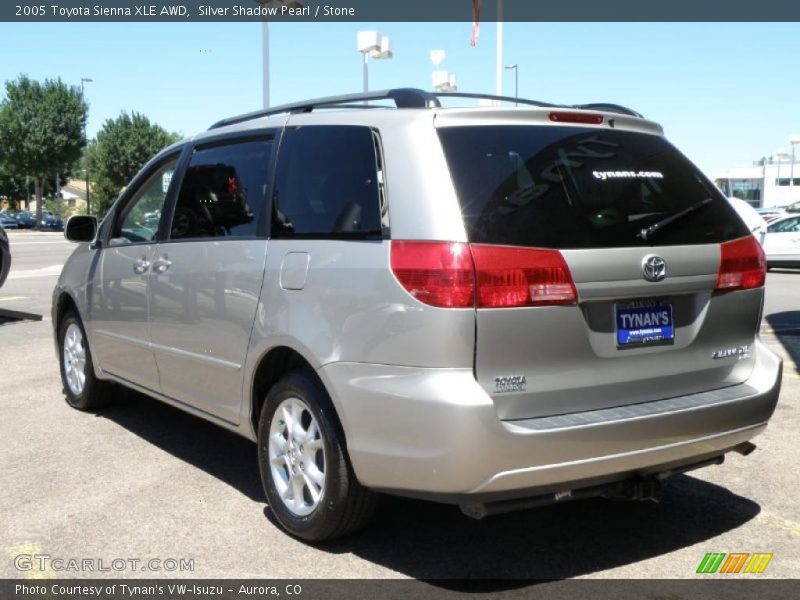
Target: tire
90,393
331,502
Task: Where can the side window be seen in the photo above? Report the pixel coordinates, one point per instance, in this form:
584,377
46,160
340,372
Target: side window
141,217
785,226
329,183
223,191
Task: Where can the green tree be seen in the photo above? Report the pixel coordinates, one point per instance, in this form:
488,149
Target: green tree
41,130
122,148
13,188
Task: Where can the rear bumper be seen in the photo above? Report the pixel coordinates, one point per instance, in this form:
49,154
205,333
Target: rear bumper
435,432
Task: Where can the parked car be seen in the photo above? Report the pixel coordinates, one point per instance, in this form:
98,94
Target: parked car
782,242
151,219
51,222
25,219
793,208
772,213
491,307
5,256
7,222
754,221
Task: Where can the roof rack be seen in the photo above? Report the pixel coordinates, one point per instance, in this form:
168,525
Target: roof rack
406,98
403,98
498,98
608,107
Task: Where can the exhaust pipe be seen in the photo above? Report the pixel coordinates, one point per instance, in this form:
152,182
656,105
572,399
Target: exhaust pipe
745,448
641,488
649,487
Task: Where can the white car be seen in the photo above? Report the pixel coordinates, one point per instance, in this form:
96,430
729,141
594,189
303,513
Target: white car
754,221
781,242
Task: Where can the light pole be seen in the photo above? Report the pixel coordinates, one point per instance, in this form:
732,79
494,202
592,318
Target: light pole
515,66
443,81
499,51
372,45
83,97
793,140
265,63
780,154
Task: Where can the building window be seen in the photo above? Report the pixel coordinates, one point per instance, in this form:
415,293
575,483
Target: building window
786,182
748,190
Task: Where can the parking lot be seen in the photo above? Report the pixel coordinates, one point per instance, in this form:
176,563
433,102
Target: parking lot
143,481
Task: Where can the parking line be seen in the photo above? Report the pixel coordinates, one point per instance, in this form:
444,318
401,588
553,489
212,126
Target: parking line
15,243
30,273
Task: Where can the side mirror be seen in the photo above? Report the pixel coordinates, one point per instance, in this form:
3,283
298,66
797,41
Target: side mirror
81,228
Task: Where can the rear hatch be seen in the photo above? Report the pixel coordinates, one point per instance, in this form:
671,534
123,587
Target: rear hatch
616,242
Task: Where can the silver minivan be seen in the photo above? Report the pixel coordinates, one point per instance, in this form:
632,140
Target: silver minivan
492,307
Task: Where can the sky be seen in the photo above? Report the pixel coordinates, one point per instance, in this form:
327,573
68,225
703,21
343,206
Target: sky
726,93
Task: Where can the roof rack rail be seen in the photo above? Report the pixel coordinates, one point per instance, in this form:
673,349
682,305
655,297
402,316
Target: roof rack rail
403,98
599,106
608,107
498,98
406,98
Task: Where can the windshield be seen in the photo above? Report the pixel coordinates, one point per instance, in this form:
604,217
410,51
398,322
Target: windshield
576,187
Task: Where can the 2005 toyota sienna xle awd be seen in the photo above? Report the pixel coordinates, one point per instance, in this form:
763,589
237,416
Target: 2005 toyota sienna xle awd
492,307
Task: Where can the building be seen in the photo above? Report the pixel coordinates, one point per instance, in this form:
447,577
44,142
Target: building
775,183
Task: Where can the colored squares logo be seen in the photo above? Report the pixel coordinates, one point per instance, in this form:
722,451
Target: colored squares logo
736,562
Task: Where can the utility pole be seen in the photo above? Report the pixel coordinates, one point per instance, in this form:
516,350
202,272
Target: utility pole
499,65
88,200
515,66
265,54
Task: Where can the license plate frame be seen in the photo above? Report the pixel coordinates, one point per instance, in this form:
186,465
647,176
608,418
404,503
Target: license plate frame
646,322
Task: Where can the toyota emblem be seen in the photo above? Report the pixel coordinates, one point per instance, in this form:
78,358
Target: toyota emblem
654,268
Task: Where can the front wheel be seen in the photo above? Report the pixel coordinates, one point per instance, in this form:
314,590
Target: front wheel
82,389
308,480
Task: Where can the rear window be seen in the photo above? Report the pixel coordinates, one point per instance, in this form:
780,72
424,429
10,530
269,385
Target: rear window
575,187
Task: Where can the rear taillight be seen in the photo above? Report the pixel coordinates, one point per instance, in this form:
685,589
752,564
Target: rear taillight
742,265
435,273
444,274
511,276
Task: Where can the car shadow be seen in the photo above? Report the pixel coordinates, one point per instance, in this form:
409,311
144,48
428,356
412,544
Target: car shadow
786,326
436,543
223,454
15,316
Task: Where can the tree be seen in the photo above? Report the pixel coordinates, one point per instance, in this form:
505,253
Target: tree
13,188
41,130
122,148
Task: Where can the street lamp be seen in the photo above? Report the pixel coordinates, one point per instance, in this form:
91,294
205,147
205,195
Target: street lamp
515,66
780,154
443,81
265,45
83,97
372,45
793,140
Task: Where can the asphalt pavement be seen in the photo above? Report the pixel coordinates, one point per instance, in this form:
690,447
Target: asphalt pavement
142,481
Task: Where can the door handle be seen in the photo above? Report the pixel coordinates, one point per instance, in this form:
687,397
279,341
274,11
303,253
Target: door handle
140,266
161,265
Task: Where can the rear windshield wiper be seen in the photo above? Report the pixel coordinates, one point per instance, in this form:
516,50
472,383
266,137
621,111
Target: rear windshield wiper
647,232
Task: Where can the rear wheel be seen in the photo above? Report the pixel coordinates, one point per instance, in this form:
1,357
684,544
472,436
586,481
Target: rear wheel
308,480
82,389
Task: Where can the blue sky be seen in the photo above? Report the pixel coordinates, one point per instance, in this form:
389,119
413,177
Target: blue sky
726,94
